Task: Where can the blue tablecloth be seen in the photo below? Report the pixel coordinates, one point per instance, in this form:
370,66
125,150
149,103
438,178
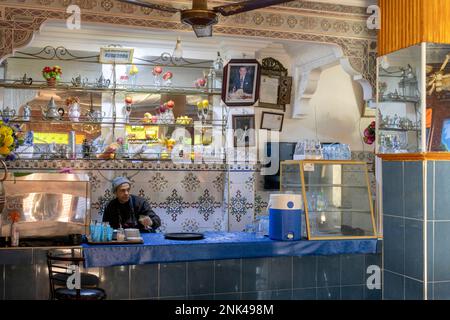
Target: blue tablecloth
216,246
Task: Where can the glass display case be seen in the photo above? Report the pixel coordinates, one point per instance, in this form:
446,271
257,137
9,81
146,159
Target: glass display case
336,196
413,99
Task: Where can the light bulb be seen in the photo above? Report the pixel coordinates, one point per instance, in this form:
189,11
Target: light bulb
323,218
178,51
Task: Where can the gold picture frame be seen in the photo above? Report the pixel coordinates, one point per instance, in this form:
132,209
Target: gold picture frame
276,85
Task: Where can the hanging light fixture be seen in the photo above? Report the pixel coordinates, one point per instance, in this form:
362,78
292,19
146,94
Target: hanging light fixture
178,51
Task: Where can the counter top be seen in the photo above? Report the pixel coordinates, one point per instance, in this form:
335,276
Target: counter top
216,246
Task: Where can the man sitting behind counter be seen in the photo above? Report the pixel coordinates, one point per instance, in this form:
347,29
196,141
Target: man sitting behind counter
128,210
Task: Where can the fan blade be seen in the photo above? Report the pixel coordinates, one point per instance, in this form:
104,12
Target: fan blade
152,5
243,6
203,31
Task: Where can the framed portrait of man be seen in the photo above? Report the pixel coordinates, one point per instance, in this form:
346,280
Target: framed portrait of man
244,130
241,81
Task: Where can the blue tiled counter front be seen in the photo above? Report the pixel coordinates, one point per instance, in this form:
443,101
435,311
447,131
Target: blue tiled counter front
217,246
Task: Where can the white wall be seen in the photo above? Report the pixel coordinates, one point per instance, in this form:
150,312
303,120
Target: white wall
336,105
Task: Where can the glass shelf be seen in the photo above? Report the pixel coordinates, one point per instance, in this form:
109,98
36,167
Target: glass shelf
322,185
398,129
109,121
42,85
407,100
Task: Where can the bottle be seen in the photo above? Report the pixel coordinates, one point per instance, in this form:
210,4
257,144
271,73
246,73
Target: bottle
105,231
72,145
14,236
92,229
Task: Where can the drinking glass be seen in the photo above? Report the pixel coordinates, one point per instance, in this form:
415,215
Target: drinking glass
205,112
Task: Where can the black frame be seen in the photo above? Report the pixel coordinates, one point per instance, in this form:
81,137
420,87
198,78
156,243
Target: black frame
252,123
227,77
273,113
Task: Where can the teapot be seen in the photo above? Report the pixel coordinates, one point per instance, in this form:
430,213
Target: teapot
102,82
95,115
8,113
52,111
78,82
74,112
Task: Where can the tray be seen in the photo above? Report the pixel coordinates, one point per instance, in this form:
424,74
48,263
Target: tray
140,241
184,236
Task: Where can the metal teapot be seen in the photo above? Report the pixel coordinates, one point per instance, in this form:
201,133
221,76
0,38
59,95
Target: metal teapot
102,82
8,113
52,111
78,82
95,115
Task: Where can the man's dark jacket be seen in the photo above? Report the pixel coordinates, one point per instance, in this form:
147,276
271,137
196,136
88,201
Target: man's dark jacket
127,214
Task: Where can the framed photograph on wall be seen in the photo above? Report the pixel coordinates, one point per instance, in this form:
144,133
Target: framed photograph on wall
244,130
272,121
241,80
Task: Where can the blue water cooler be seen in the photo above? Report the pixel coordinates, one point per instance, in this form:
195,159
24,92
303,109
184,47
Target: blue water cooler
285,217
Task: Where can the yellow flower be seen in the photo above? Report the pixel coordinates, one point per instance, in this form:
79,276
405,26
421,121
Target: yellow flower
8,141
4,151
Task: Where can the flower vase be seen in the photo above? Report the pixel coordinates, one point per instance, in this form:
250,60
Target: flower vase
51,82
170,117
133,80
168,82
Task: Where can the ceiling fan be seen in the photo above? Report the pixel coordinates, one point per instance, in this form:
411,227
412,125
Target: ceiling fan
201,18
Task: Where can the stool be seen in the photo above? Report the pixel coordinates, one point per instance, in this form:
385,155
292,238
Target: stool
60,268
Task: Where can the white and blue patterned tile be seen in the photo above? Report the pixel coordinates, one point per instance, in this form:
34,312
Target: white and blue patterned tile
207,205
219,182
190,225
158,182
240,210
190,182
260,205
174,205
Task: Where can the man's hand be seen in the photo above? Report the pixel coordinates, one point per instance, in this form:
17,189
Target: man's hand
146,221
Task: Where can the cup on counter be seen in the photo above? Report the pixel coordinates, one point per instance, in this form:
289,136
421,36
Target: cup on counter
120,236
132,233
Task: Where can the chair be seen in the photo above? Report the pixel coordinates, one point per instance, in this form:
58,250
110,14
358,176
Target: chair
60,268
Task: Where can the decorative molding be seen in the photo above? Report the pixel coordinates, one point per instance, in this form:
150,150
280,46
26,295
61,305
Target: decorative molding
344,26
112,165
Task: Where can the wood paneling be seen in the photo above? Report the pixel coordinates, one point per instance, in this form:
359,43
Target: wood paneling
405,23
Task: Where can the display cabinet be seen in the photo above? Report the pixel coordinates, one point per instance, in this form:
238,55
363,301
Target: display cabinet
413,99
336,195
146,110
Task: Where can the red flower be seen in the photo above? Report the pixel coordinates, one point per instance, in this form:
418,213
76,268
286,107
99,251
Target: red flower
14,216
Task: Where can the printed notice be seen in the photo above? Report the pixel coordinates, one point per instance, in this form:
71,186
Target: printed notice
269,90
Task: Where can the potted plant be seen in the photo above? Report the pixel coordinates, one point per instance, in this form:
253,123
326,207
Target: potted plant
51,75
